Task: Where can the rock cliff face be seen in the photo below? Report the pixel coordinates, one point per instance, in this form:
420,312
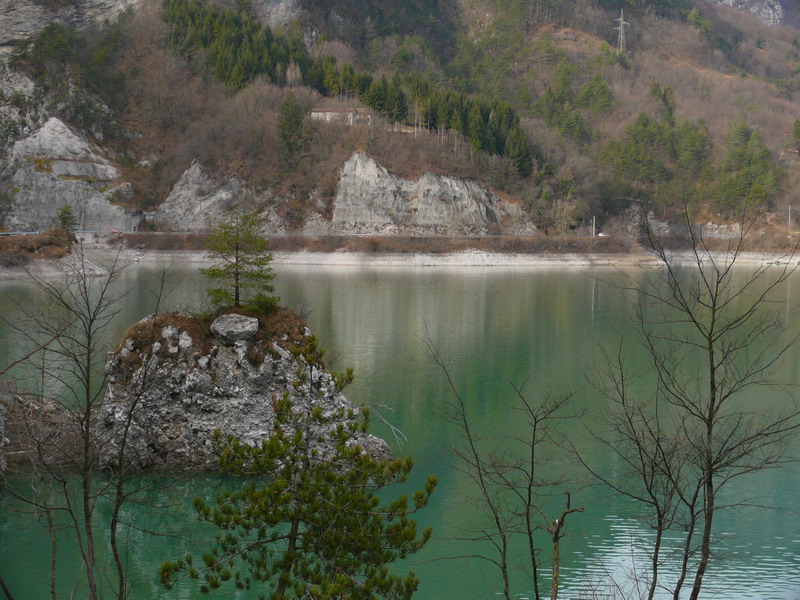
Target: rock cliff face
197,202
183,382
18,110
21,19
369,199
276,12
770,11
55,167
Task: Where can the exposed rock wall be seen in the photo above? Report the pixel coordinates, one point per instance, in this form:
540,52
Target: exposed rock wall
369,199
276,12
19,112
186,382
770,11
55,167
197,202
21,19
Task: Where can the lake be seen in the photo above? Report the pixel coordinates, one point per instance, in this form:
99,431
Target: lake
495,326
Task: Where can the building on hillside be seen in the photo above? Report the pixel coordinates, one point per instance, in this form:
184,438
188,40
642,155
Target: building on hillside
347,116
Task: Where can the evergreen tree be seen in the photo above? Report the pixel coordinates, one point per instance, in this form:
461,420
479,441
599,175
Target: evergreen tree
695,18
519,151
317,528
635,159
456,121
242,266
396,103
66,218
292,129
693,149
746,175
377,96
595,95
348,80
476,128
331,77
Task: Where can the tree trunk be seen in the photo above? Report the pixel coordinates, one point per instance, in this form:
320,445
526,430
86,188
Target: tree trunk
705,542
651,593
51,530
687,551
121,583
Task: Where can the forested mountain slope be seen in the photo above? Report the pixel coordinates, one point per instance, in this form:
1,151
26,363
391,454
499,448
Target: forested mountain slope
531,98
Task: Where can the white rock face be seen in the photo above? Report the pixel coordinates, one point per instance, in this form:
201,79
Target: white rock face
769,11
21,19
371,200
55,167
18,110
276,12
67,153
368,200
197,202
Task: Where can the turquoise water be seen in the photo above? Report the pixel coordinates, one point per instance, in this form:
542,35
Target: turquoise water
494,326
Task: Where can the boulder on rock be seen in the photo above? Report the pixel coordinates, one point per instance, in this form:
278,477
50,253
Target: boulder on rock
234,328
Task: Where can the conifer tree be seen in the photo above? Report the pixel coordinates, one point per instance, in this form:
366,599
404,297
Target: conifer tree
396,103
519,151
66,218
476,128
242,260
292,129
746,176
316,528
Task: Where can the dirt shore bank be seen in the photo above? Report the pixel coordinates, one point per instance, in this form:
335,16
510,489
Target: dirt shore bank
100,253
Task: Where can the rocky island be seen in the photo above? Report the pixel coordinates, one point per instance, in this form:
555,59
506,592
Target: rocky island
178,378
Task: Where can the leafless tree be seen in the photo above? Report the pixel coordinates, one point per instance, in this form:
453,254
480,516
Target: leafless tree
653,458
713,330
59,425
510,487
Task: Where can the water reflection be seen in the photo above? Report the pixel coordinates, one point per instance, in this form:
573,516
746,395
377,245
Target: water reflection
494,326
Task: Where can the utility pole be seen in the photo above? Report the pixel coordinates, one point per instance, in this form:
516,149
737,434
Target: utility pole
621,37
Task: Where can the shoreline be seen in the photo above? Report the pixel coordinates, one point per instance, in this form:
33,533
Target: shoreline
463,258
466,258
96,252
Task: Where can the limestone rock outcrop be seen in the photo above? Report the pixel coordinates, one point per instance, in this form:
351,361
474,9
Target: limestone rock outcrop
371,200
368,200
181,384
54,167
19,111
21,19
197,202
770,11
276,12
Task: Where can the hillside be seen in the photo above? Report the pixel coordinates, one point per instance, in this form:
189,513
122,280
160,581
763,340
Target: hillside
530,100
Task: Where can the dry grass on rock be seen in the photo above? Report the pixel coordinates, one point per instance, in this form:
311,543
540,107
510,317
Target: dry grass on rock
18,250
